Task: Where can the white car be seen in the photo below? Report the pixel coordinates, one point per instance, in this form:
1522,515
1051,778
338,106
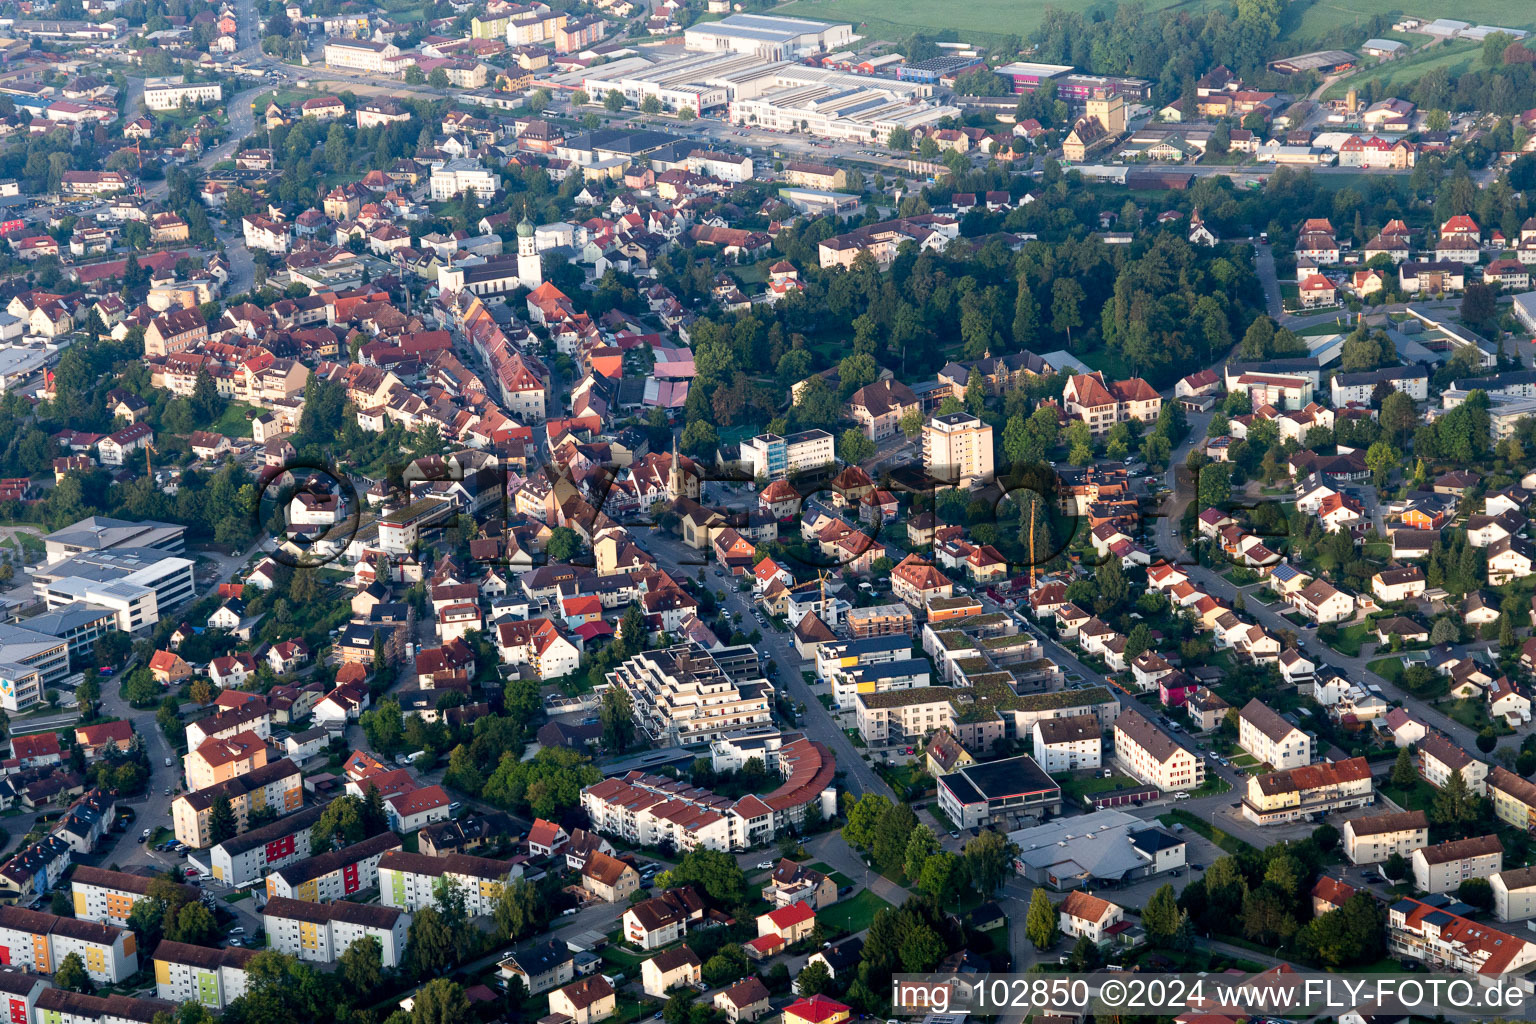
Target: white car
1181,796
765,865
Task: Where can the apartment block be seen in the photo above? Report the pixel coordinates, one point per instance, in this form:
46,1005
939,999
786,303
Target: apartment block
957,448
682,695
321,932
279,784
38,942
250,855
1270,738
1068,744
107,897
200,974
772,457
1309,791
334,875
1514,798
1152,756
1444,866
410,881
1514,894
1373,839
1425,931
1439,757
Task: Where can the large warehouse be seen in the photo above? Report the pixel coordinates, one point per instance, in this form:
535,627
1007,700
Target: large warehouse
782,95
768,36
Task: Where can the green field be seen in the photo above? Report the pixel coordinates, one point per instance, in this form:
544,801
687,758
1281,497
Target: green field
894,21
1323,16
853,915
1453,57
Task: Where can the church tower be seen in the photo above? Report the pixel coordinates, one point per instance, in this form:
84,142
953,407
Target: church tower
675,486
530,272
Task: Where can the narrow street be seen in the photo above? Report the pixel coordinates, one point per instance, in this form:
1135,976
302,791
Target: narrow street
817,723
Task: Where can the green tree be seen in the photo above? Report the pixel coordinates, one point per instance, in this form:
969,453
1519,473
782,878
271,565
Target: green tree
986,861
618,719
441,1001
862,815
1403,771
438,79
650,105
431,946
222,823
579,98
892,833
1395,867
1040,922
714,873
921,845
853,447
1455,804
1161,916
613,101
942,877
517,913
563,544
362,966
71,975
814,979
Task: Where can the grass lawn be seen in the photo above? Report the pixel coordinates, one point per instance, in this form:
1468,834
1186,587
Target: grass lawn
855,913
836,876
1075,788
1453,57
885,19
1213,784
1390,669
1474,715
1350,640
238,895
625,958
233,421
1296,619
1417,797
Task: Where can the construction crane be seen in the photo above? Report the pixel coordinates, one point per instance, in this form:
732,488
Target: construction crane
149,469
1032,506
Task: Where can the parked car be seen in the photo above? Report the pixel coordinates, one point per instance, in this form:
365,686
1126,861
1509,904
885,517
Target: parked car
765,865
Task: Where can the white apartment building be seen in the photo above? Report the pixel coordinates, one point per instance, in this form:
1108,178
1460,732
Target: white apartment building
39,942
362,55
1439,757
772,457
454,177
334,875
683,695
321,932
1514,894
958,448
1373,839
902,716
107,897
1068,744
136,584
1152,756
1272,739
169,95
1444,866
211,977
410,881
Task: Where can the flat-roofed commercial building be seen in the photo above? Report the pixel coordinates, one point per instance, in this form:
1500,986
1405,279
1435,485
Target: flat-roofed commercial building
767,36
1004,791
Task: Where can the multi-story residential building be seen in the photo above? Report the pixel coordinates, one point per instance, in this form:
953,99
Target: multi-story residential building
1514,894
1439,757
1308,791
362,55
171,95
1444,866
683,694
279,785
334,875
1270,738
250,855
662,919
223,758
1100,404
410,881
107,897
772,457
957,448
880,620
901,718
38,942
1373,839
647,809
1424,930
670,969
998,792
321,932
584,1001
456,177
846,654
1152,756
1068,744
540,644
61,1006
201,974
1514,798
916,582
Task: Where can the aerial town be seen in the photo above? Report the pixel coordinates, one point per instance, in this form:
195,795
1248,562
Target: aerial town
687,510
